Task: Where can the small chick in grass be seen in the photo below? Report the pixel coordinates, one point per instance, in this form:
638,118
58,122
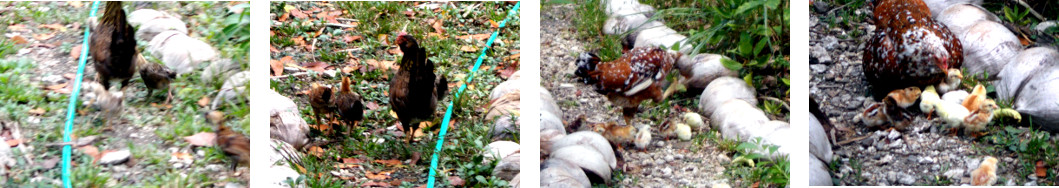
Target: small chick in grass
928,100
643,137
951,81
110,103
234,144
975,99
905,97
981,117
985,175
155,76
348,104
320,100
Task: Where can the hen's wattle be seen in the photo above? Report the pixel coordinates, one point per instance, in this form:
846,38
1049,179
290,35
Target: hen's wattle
908,48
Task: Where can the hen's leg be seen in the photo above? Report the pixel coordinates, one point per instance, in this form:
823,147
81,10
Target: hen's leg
628,113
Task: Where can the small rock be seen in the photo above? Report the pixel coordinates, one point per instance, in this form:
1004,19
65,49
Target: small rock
668,158
1011,182
893,134
214,167
667,171
116,157
907,179
722,185
660,144
954,174
886,159
821,7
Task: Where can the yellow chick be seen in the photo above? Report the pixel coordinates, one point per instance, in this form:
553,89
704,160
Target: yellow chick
694,120
643,137
928,100
975,99
985,175
683,131
951,82
951,112
618,134
905,97
978,119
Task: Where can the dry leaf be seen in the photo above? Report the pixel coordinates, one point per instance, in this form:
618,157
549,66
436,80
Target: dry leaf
378,176
90,151
298,14
44,36
277,68
384,39
75,52
201,139
1041,171
75,4
204,101
468,48
36,111
17,27
14,142
283,18
349,38
438,26
318,66
272,49
391,162
316,151
19,39
372,105
493,24
456,181
352,160
184,156
475,36
376,64
345,165
56,27
375,184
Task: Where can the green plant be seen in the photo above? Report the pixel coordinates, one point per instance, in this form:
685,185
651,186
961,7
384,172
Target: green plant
767,172
1014,15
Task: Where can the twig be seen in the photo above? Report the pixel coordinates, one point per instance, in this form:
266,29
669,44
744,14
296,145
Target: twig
300,74
17,134
844,142
339,25
774,99
1023,3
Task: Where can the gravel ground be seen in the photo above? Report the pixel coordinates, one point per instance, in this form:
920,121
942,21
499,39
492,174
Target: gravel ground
924,155
665,163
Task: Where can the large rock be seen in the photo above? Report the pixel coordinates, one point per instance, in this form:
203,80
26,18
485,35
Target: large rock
1030,81
701,69
280,171
819,145
591,140
988,47
508,167
152,28
959,18
499,150
818,172
179,52
937,6
560,173
233,87
587,158
548,104
550,121
285,121
723,89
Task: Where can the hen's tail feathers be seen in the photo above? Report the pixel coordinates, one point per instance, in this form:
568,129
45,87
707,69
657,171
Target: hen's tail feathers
586,62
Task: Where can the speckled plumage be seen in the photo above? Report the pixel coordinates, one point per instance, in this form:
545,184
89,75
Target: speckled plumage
908,48
638,75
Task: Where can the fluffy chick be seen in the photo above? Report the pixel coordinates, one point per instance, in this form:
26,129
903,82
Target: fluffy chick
694,120
985,175
320,100
348,104
618,134
643,137
905,97
928,99
234,144
110,103
874,116
155,76
975,99
981,117
952,113
951,81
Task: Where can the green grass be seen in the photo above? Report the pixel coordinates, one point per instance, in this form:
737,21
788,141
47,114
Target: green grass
20,91
459,156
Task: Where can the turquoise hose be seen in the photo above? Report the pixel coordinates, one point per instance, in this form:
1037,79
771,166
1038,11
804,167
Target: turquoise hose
71,109
448,111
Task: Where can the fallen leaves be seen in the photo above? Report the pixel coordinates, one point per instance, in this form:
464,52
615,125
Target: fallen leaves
317,66
14,142
59,88
204,101
201,139
468,48
482,36
316,151
1041,171
56,27
36,111
391,162
43,36
18,39
378,176
383,65
75,52
277,65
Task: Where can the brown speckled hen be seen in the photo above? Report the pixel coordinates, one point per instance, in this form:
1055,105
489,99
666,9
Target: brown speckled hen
234,144
114,47
636,76
414,89
908,48
348,105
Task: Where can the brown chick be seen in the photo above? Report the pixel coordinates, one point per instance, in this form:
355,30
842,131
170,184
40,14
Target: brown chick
898,117
320,100
114,46
414,89
975,99
904,98
617,134
981,117
874,116
985,175
634,77
155,76
348,104
234,144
